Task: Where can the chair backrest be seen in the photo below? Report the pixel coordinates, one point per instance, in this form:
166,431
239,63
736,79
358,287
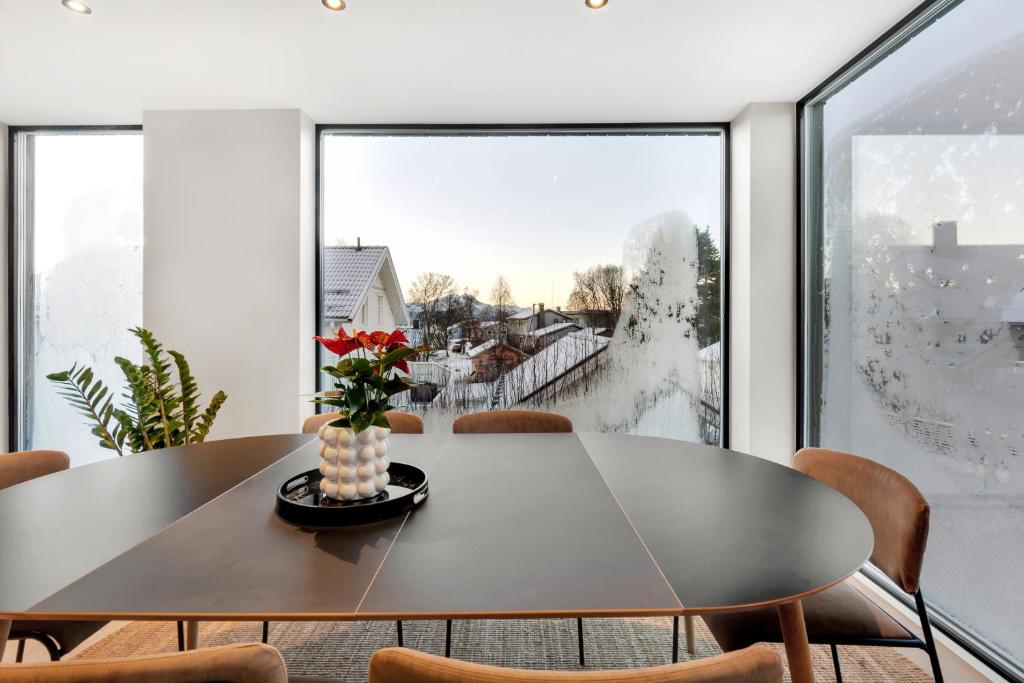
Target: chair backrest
511,422
401,423
896,509
25,465
755,664
251,663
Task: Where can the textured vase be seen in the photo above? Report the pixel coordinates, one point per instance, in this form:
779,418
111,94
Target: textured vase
355,466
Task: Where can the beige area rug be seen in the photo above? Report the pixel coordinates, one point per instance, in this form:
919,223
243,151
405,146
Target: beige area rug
342,650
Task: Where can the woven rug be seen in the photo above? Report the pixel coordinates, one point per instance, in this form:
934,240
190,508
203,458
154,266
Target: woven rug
342,650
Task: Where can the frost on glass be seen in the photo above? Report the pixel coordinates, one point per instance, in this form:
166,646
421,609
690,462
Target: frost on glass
535,210
86,276
923,298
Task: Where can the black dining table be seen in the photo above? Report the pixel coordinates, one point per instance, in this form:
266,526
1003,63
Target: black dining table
515,526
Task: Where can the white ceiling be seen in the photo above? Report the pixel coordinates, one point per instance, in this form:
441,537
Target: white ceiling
425,61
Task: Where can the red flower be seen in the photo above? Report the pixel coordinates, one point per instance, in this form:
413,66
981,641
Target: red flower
402,365
341,345
379,339
395,340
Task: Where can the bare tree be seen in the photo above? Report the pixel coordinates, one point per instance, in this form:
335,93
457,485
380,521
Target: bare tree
434,294
501,298
599,291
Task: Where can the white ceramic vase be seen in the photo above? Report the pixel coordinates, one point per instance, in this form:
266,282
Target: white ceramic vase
355,466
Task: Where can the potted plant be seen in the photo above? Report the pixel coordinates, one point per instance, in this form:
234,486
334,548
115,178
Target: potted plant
354,447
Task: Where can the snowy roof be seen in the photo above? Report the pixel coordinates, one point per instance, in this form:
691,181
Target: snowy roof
711,353
348,273
486,346
552,363
550,329
522,315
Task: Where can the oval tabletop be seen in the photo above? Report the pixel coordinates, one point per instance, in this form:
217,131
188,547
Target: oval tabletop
515,525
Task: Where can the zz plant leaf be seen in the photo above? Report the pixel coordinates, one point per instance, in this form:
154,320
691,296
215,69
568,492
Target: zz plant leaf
157,410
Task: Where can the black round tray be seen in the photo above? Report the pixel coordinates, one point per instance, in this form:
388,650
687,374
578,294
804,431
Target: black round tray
300,501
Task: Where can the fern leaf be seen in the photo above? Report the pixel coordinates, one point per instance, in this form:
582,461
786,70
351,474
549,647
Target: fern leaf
85,394
206,419
189,395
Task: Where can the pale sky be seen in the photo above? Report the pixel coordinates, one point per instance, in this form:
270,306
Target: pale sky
532,208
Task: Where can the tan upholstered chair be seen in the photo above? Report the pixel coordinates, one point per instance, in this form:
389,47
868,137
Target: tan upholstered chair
401,423
511,422
398,665
229,664
58,637
842,615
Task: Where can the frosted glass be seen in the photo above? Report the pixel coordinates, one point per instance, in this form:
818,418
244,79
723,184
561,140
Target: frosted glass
921,341
86,276
536,209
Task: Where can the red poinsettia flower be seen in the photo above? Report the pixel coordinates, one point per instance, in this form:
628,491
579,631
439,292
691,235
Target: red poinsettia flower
341,345
403,365
379,338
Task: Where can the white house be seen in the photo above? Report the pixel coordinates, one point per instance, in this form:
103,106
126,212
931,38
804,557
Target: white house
361,290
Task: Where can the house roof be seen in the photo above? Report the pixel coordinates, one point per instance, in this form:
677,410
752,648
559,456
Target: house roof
551,364
348,273
522,315
551,329
488,345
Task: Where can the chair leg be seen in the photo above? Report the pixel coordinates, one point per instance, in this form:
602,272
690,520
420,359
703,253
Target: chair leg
691,635
266,632
675,639
181,636
926,628
448,638
398,626
579,636
835,663
19,656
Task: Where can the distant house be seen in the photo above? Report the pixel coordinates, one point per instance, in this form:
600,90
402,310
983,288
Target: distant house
361,290
538,339
521,324
492,358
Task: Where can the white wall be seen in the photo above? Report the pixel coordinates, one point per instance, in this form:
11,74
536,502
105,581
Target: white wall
228,257
4,411
762,374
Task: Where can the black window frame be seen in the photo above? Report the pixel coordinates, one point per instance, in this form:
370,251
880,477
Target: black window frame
809,248
19,240
720,129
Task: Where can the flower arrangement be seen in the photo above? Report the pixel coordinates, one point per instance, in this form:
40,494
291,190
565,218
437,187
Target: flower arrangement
365,376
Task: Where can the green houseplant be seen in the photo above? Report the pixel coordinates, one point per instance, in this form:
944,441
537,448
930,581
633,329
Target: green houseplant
157,410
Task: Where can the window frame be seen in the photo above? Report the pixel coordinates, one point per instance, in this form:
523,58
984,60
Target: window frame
808,275
720,129
19,238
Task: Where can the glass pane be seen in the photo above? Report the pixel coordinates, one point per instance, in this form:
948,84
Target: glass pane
919,345
84,228
573,273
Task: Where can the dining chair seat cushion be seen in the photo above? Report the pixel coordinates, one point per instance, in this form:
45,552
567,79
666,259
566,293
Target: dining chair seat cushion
22,466
841,613
67,634
251,663
511,422
400,665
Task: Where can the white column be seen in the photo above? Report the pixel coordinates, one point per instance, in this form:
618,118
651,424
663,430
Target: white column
228,257
762,382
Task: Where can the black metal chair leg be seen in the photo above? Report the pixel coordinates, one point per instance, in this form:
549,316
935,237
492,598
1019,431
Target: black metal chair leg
266,632
929,641
20,655
579,636
398,625
675,639
835,663
181,636
448,638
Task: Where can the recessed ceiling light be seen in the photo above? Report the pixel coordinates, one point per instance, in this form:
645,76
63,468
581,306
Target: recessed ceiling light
336,5
596,4
76,6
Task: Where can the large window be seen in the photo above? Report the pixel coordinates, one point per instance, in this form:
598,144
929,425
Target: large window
572,270
77,273
914,294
